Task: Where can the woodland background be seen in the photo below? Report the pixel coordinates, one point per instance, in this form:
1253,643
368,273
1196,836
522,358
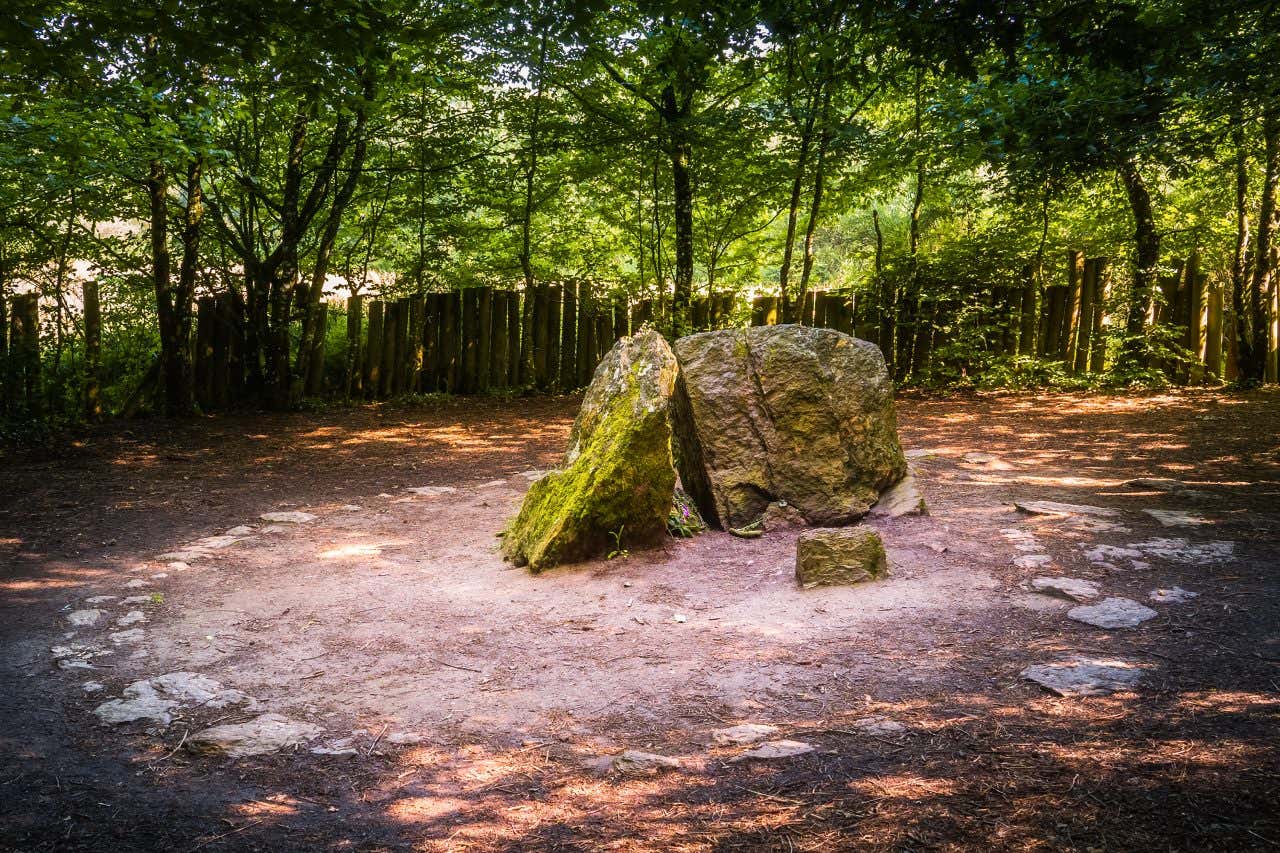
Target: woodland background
947,174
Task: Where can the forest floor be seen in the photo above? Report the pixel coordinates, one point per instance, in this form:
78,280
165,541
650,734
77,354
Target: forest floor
471,706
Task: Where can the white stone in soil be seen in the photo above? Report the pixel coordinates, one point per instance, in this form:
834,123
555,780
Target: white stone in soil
240,530
85,618
159,576
262,735
1055,508
433,491
1113,613
744,734
901,499
1085,676
216,543
1074,589
493,484
184,556
1107,553
336,747
1155,484
533,475
178,567
74,663
133,617
403,738
878,725
137,583
290,517
99,599
93,687
919,453
1176,518
1172,595
77,650
1096,525
775,749
1032,561
133,635
155,699
137,599
1179,550
633,762
350,508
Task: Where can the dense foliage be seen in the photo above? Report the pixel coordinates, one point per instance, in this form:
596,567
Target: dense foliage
924,159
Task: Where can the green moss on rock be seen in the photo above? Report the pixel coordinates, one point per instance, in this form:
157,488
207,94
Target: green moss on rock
839,556
617,476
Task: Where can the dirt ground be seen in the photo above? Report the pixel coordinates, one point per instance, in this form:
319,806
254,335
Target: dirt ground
479,700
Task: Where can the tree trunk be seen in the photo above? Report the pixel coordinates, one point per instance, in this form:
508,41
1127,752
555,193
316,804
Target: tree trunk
793,211
682,186
815,204
92,350
1146,240
1254,368
887,295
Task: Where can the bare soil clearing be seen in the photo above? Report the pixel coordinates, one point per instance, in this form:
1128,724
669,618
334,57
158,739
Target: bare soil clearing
481,703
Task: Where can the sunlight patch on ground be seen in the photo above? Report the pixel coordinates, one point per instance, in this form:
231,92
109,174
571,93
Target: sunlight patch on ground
344,552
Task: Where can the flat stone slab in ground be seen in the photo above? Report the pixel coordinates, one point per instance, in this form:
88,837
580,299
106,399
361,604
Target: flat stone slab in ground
1113,613
1085,676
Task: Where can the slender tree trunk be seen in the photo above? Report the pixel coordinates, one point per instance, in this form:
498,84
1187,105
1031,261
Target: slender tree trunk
793,211
682,185
815,204
1253,368
887,296
1244,340
1146,241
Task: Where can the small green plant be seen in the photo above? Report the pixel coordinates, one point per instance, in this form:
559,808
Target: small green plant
685,521
157,598
618,550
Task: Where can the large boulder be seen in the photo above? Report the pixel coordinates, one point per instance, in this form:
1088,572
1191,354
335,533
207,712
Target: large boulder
791,413
614,488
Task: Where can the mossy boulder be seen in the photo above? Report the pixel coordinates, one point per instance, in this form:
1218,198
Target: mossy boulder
784,413
839,556
614,488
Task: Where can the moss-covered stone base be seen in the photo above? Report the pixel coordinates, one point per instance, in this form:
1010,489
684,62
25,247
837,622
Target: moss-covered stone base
614,489
839,556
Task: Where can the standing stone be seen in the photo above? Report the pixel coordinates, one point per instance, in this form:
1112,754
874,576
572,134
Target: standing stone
838,556
615,485
791,413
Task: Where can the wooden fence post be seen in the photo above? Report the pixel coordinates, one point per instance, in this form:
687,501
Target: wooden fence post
470,339
431,342
1101,295
568,337
93,347
555,297
1194,317
484,336
1071,320
1027,313
4,354
450,350
527,369
586,334
355,320
541,336
414,347
387,358
225,332
497,367
514,319
699,314
1213,335
1084,324
203,350
24,350
604,334
315,363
